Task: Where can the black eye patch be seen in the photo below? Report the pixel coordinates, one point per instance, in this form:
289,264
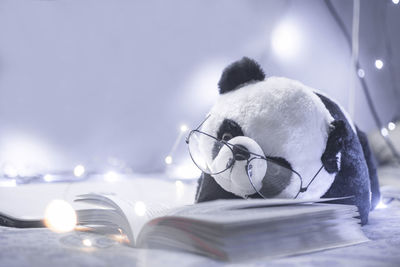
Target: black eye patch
281,161
228,127
231,127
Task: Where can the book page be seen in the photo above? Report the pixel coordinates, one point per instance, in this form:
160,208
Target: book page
218,206
227,216
226,228
135,215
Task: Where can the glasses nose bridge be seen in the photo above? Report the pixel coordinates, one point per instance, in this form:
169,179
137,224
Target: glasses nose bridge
240,152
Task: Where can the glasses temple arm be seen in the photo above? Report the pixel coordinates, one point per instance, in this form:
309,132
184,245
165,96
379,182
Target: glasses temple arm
304,189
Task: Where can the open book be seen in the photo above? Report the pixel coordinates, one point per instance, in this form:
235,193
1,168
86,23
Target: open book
227,229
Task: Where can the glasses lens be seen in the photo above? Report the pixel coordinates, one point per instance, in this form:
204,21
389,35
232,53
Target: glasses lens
210,155
273,179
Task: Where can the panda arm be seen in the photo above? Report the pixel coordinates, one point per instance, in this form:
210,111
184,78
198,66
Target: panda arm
371,163
352,177
208,189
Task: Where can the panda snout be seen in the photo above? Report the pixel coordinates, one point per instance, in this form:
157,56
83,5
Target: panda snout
240,152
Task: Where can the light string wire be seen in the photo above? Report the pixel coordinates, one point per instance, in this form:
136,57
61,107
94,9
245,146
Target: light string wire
354,56
364,85
175,145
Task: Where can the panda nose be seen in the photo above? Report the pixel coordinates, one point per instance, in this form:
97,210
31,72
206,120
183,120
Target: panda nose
240,152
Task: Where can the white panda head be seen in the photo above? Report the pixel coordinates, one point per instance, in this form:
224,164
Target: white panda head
276,117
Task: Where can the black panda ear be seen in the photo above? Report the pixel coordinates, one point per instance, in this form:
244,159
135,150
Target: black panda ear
239,73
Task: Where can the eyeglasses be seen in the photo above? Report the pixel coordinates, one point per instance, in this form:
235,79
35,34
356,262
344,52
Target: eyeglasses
275,176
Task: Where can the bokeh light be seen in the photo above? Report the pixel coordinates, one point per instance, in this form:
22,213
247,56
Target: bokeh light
381,205
111,177
10,171
378,64
361,73
184,128
87,242
384,131
79,170
168,160
286,40
60,217
186,170
140,208
48,178
391,126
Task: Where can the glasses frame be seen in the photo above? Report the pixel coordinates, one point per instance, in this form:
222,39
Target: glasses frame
255,156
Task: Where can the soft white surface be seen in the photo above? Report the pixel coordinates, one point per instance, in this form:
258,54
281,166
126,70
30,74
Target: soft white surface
30,201
40,247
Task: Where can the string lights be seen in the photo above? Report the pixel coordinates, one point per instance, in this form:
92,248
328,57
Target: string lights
185,169
79,170
60,216
87,242
183,129
384,131
381,205
379,65
48,178
361,73
111,176
391,126
168,159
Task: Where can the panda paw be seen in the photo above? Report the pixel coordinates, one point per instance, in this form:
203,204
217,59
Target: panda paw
332,165
332,155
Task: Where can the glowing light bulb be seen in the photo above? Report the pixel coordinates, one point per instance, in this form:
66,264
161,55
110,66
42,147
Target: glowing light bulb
286,40
48,178
140,208
361,73
395,2
378,64
187,171
87,242
111,176
79,170
381,205
168,160
10,171
60,217
391,126
179,184
184,128
384,132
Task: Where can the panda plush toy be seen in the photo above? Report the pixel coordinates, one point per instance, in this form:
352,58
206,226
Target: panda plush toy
277,138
